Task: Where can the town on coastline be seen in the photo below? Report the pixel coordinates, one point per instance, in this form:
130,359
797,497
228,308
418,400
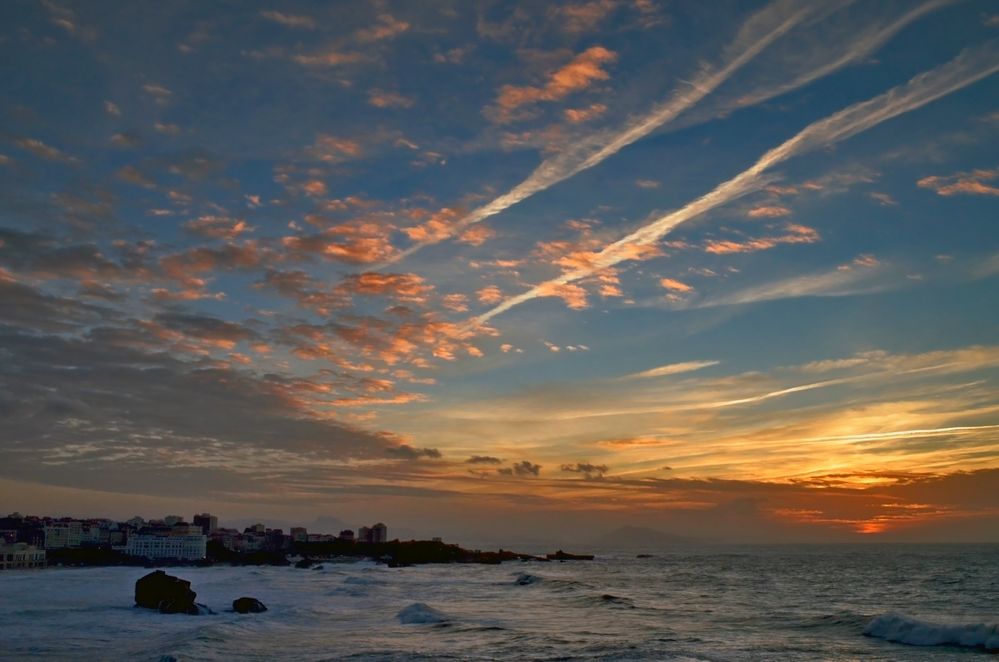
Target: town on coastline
36,542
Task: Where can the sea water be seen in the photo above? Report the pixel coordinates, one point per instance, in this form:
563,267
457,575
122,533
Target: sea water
846,602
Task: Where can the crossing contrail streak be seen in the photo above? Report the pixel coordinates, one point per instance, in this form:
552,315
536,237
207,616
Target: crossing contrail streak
968,67
759,32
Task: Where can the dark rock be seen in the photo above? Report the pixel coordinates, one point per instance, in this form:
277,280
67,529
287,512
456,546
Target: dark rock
168,594
566,556
248,606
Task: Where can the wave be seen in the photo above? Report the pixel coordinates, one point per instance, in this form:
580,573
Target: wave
608,599
525,579
905,630
842,619
555,584
419,613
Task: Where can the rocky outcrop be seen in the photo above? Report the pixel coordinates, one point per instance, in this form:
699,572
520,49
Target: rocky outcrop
168,594
566,556
248,606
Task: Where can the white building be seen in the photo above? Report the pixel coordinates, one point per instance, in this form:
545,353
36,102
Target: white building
379,533
181,547
63,534
21,555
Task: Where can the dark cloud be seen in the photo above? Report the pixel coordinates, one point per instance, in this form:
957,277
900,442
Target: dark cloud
92,399
483,459
207,328
588,469
26,307
407,452
522,468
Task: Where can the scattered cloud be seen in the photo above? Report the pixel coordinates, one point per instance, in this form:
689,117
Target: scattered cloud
388,99
579,74
297,21
407,452
483,459
962,183
796,234
587,469
968,67
522,469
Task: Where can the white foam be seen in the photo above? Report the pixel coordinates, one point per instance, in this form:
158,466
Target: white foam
420,613
905,630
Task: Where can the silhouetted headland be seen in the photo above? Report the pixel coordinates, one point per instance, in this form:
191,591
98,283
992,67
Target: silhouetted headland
394,553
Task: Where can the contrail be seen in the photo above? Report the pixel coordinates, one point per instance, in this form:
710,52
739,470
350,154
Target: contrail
757,33
968,67
861,47
591,152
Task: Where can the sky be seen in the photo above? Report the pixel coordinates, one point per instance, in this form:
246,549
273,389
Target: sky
504,270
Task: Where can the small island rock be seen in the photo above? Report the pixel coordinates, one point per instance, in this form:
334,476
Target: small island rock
168,594
248,606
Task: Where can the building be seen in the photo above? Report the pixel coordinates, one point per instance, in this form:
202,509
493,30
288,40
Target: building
299,534
376,533
159,546
346,536
63,533
21,555
170,520
208,523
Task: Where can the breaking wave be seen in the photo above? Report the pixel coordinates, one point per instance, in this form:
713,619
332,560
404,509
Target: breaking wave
905,630
524,579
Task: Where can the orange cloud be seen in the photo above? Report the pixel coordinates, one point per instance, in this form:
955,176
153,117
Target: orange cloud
580,73
579,115
675,285
455,302
184,267
476,235
217,227
796,234
330,58
355,242
404,287
314,188
331,149
773,211
291,20
387,27
573,295
968,183
584,16
437,228
490,294
386,99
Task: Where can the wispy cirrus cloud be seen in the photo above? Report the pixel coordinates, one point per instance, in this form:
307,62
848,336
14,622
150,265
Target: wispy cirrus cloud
671,369
969,67
758,32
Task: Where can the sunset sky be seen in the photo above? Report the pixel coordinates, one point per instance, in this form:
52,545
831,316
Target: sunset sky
499,269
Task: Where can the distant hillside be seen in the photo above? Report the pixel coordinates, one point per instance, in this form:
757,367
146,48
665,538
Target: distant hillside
640,537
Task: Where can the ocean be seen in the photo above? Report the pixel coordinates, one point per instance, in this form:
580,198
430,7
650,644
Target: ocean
720,603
